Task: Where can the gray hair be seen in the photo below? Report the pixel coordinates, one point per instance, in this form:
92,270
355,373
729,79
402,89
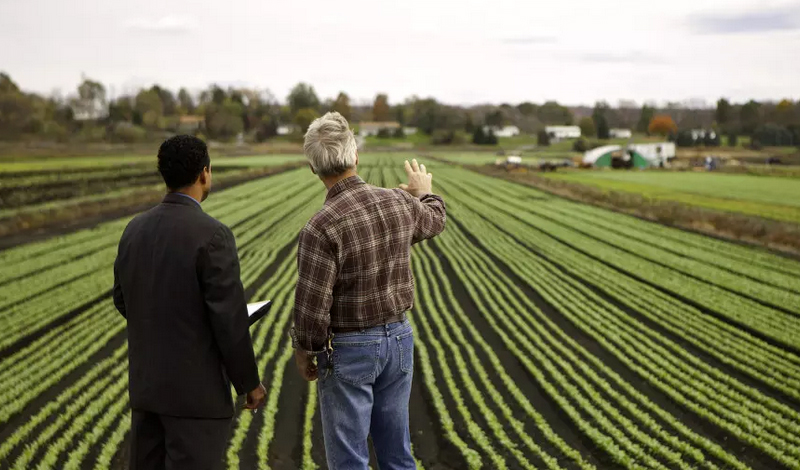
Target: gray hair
330,145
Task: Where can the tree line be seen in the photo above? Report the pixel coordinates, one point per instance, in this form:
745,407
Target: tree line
89,115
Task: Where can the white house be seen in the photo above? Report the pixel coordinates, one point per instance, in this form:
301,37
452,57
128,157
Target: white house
620,133
372,128
286,129
657,153
505,131
558,133
89,110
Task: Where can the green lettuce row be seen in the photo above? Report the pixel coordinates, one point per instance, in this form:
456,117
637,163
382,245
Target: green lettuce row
780,443
494,287
444,325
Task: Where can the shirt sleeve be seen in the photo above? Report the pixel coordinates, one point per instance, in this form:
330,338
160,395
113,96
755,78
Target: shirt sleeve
227,309
430,216
316,267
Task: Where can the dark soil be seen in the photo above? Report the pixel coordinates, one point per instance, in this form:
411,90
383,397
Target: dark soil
286,448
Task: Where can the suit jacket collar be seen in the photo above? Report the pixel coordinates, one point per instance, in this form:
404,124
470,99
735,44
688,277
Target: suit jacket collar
174,198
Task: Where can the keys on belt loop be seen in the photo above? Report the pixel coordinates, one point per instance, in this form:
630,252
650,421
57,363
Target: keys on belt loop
329,354
329,348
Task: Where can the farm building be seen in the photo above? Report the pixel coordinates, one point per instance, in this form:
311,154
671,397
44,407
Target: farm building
286,129
642,155
558,133
189,124
657,153
620,133
505,131
366,129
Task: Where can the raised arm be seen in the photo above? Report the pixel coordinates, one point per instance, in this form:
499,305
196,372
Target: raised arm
218,270
430,215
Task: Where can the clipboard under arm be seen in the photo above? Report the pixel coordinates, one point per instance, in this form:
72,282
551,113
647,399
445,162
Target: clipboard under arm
258,310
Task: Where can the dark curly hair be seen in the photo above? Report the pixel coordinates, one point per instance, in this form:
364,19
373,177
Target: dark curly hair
181,160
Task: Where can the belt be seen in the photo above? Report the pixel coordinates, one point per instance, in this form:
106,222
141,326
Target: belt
393,319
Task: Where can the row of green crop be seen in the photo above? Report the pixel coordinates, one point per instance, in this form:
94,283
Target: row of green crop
752,356
745,412
27,180
782,326
60,286
575,380
256,208
763,285
442,329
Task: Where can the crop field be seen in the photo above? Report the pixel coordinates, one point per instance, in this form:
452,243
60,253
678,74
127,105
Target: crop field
550,335
33,185
765,196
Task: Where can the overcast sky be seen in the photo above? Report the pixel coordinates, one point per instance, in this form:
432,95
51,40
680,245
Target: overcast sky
461,51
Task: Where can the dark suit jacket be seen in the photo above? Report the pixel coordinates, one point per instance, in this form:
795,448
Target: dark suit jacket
176,280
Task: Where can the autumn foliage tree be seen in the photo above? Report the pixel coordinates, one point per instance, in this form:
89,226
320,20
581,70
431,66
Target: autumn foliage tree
662,125
380,109
342,105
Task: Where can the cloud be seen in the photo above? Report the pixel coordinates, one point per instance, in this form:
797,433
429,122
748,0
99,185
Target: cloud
164,25
756,21
633,57
530,40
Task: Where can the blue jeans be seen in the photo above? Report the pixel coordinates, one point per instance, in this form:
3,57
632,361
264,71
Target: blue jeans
364,390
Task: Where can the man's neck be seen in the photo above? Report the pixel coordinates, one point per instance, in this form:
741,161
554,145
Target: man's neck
193,192
330,181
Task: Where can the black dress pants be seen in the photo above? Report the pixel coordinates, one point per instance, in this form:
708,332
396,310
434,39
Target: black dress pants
160,442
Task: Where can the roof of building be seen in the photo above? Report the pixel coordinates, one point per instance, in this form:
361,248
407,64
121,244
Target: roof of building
379,125
191,119
593,155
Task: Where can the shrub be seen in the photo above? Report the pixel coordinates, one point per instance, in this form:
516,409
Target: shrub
543,138
478,137
774,135
399,134
580,145
490,139
128,133
384,133
55,131
442,137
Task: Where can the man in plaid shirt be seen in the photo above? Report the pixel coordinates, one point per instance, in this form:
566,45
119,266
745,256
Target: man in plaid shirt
353,291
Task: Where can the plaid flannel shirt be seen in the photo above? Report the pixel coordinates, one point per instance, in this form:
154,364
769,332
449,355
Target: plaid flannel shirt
354,259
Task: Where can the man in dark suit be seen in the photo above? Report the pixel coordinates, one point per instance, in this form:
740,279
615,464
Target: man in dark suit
176,281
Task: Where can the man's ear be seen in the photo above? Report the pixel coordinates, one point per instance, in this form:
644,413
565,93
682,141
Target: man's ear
312,169
356,157
204,175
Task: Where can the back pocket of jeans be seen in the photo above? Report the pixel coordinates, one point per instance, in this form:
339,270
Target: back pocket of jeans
356,362
406,344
